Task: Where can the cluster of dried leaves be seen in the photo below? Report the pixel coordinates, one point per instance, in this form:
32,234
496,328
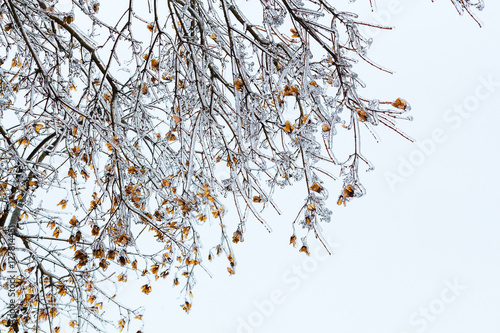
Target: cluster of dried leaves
213,110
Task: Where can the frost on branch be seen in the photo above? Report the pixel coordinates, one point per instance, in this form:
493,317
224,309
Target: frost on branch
126,131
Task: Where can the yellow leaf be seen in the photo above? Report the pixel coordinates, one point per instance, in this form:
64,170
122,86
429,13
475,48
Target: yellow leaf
146,289
170,136
121,324
400,104
316,188
155,64
68,19
85,174
38,127
72,173
62,203
187,306
107,97
304,249
238,84
95,230
237,236
363,116
73,221
288,127
103,264
348,191
24,141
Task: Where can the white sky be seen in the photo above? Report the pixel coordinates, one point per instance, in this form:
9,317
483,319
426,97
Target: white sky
420,255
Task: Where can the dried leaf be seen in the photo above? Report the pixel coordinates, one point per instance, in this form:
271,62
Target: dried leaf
155,64
146,289
121,324
72,173
304,249
316,188
62,203
400,104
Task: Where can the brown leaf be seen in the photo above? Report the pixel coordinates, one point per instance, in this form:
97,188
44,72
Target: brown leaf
304,249
257,199
146,289
68,19
237,236
400,104
238,84
348,191
187,306
72,173
316,188
73,221
155,64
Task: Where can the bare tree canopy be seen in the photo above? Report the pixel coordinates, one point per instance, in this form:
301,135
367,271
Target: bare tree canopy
126,129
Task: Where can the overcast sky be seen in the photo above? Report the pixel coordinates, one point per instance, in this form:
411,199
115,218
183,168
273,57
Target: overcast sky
420,252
